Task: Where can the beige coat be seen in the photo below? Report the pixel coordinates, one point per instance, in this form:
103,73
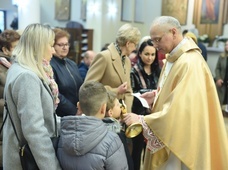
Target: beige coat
107,69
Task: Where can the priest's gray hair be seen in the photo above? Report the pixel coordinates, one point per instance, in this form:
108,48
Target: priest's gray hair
167,21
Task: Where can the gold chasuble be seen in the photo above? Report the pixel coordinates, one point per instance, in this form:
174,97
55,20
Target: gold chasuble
186,115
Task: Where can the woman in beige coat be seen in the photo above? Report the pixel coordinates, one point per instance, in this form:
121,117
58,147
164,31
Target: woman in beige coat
112,67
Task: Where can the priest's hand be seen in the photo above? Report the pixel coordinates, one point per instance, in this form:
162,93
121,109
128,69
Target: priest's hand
130,118
149,96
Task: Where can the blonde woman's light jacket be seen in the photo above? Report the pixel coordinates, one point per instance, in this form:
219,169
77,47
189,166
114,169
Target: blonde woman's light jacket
107,69
31,107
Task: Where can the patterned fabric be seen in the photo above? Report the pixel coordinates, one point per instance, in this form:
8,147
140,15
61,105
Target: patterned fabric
153,143
112,124
122,57
118,48
123,63
52,84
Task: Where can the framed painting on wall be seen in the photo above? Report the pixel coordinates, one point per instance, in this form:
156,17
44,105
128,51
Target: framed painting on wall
139,13
83,9
213,24
176,8
209,11
127,10
62,9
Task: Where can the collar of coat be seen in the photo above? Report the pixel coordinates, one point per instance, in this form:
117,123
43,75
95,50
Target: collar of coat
187,45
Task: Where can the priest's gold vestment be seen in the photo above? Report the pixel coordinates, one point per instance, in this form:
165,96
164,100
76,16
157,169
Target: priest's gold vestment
187,115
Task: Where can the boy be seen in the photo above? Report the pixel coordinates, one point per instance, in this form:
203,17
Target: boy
85,142
113,112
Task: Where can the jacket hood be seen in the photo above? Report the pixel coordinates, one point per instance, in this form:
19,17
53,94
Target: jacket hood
80,134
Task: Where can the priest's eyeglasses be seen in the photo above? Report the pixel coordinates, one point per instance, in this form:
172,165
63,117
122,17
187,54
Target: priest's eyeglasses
157,40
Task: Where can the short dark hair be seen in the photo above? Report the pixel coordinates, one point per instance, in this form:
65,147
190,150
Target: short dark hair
184,32
7,37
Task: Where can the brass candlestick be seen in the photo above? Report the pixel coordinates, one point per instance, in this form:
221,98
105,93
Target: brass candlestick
135,128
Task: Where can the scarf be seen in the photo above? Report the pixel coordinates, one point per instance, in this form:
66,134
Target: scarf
51,81
122,57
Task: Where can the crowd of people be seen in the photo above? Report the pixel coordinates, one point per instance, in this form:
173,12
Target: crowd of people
182,127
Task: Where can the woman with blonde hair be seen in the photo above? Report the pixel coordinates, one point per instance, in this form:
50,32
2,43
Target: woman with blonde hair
29,97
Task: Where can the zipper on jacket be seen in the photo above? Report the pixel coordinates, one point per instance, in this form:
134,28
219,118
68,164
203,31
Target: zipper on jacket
71,75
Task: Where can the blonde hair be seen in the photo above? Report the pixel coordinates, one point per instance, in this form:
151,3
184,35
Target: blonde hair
92,95
127,33
32,47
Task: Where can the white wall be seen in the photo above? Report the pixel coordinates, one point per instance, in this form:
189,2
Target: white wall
225,30
47,8
105,27
25,10
10,11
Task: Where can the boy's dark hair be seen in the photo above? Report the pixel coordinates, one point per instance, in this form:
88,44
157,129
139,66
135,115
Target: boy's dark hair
92,95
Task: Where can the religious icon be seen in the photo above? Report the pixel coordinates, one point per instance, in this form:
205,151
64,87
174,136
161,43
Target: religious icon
62,9
210,11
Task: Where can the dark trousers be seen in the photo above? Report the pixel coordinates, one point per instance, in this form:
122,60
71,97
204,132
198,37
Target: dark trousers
138,146
128,155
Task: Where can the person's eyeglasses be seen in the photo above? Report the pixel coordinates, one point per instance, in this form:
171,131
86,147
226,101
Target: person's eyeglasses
63,45
157,39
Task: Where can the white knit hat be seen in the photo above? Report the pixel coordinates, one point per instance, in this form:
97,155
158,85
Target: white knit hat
144,39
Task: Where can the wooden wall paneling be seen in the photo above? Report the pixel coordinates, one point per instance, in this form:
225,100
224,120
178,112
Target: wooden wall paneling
81,40
75,44
225,12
